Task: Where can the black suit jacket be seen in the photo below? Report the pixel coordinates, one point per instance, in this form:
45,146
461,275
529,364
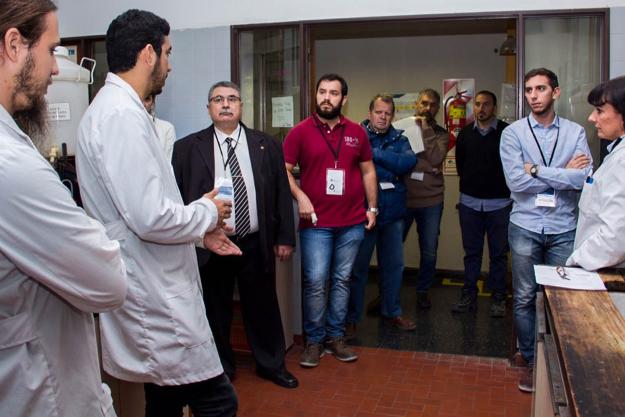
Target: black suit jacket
194,166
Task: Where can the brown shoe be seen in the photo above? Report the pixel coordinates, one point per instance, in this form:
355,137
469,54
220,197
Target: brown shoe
350,331
517,360
526,382
336,346
402,323
311,355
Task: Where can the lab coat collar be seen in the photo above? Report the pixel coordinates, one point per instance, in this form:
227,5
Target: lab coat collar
119,82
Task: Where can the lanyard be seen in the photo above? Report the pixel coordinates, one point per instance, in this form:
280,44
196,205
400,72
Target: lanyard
336,152
553,151
234,148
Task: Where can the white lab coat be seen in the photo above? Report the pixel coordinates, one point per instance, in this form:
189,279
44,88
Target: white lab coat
600,235
57,267
161,334
167,135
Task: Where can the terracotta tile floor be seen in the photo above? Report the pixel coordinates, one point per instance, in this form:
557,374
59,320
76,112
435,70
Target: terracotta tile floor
384,383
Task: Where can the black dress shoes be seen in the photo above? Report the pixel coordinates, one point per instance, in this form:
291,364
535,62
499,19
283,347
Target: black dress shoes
282,378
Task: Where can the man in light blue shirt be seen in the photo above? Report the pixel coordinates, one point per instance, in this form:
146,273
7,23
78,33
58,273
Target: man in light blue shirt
545,160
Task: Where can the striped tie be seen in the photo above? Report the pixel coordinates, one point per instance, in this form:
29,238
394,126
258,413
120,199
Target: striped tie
241,208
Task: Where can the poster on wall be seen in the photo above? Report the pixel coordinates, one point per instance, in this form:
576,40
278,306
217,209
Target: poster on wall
405,105
282,111
457,105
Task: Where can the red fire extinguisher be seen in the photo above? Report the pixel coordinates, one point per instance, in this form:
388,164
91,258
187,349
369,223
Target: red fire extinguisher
456,115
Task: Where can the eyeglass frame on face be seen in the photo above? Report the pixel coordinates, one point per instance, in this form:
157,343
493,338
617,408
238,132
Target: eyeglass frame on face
220,99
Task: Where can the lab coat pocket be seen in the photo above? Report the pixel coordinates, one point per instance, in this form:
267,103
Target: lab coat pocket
590,200
26,382
189,317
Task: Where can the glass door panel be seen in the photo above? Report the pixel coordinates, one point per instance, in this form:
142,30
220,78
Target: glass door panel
570,46
269,76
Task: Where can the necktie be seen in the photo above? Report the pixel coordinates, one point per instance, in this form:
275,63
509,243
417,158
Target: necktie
241,207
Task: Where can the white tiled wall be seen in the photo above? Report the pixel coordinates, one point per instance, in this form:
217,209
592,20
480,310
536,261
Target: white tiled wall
200,58
617,41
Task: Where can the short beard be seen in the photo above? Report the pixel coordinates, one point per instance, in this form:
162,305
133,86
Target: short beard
157,81
329,114
33,120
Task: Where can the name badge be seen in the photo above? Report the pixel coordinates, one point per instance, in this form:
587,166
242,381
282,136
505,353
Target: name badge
226,190
546,199
416,176
387,185
335,181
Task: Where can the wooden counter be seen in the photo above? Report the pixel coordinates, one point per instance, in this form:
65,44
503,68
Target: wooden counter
583,345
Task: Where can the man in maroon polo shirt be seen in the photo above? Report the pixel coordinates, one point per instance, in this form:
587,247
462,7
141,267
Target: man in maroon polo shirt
336,174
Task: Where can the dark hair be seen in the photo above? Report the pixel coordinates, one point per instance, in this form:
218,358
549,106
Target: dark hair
129,33
430,92
612,92
27,16
553,78
386,98
488,93
226,84
333,77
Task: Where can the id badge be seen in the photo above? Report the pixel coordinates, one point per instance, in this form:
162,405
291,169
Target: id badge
335,181
546,199
226,191
387,185
416,175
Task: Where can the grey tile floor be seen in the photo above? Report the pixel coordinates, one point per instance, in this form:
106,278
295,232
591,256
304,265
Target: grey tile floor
438,329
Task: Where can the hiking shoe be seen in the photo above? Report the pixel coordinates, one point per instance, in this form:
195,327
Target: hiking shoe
374,307
466,303
526,382
498,308
423,301
350,331
336,346
311,355
402,323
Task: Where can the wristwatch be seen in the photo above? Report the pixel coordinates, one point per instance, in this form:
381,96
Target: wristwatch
534,171
373,210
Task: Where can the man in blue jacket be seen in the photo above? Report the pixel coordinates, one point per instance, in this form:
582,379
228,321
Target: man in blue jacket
393,158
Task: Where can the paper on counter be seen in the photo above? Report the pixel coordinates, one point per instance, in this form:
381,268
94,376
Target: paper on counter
579,279
412,132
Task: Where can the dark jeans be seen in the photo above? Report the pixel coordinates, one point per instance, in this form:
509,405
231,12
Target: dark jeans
428,228
474,225
214,397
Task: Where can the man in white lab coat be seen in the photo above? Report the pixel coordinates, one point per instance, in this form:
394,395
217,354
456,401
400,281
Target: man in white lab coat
160,336
57,266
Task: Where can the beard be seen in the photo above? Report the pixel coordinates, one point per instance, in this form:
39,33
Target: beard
333,113
157,79
32,118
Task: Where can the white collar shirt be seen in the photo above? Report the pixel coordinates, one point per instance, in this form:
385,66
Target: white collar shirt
241,150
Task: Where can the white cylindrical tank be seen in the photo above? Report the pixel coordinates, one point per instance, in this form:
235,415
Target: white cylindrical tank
68,99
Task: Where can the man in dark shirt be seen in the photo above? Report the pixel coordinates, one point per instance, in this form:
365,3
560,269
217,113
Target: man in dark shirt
484,207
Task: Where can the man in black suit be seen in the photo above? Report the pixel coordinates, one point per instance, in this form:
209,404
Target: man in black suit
251,165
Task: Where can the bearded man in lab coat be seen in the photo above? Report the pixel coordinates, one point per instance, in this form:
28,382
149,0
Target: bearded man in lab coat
160,336
57,266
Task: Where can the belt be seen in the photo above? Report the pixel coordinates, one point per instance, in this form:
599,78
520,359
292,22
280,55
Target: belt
243,239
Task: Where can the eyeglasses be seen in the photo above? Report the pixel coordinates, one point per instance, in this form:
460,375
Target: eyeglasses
221,99
562,272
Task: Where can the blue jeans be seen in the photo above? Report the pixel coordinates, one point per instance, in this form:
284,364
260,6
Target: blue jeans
529,249
428,227
387,240
328,253
474,225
